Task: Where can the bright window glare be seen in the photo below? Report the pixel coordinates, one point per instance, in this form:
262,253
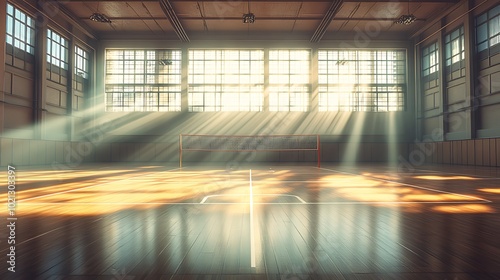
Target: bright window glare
143,80
289,80
372,80
226,80
20,30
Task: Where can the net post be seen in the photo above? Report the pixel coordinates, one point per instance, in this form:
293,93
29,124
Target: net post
319,150
180,150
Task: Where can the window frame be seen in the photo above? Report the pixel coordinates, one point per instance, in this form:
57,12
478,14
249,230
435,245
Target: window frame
455,57
285,95
432,52
143,80
489,45
211,75
361,80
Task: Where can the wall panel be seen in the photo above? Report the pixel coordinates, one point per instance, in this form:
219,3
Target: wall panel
493,152
329,152
486,151
7,83
471,151
498,150
50,153
103,152
464,151
59,151
478,152
456,157
439,158
37,152
6,147
446,152
22,87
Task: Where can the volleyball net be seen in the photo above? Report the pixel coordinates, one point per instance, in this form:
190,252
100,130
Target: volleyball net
248,143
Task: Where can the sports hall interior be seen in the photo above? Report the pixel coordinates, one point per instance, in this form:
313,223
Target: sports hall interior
281,139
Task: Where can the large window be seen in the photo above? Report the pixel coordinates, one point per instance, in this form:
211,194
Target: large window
371,80
226,80
289,85
20,37
57,57
57,49
143,80
20,30
488,30
455,51
430,60
455,46
81,63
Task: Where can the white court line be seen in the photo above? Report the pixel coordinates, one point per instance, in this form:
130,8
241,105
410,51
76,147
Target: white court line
203,201
83,188
252,235
409,185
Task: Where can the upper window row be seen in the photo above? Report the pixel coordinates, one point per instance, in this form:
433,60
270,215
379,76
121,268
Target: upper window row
20,34
234,80
20,31
488,29
487,38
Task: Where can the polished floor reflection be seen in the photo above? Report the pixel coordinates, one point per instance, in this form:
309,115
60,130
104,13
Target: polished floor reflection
257,222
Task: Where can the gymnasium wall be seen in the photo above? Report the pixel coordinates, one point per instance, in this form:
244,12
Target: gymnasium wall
458,106
371,131
38,99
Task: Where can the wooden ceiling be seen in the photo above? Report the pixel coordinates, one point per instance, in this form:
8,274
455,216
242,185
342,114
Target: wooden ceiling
313,20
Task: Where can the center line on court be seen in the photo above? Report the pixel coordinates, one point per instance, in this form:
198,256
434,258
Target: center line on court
252,236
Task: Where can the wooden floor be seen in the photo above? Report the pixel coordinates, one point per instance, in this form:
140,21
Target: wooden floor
256,222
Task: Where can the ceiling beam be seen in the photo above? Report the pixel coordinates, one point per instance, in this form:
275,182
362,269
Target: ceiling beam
258,18
167,8
262,1
327,19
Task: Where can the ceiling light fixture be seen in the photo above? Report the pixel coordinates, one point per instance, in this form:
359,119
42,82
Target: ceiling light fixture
406,19
248,17
97,17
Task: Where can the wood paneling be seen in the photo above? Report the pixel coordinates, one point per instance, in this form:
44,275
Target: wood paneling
103,152
59,151
498,151
292,156
464,151
478,152
50,154
22,87
145,152
367,153
18,117
6,151
7,83
471,159
161,152
21,152
493,152
329,152
486,151
439,152
37,152
456,147
446,152
456,94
